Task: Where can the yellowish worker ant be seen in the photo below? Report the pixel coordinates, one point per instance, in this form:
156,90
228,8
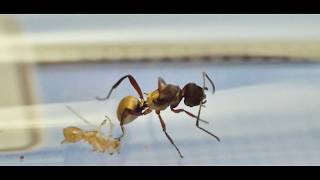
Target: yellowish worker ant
95,138
166,95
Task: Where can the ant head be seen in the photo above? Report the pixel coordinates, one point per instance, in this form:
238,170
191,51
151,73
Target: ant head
193,94
72,135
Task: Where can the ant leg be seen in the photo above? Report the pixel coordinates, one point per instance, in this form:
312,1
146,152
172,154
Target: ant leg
197,124
208,132
111,126
147,111
125,113
163,125
122,128
133,83
188,113
201,103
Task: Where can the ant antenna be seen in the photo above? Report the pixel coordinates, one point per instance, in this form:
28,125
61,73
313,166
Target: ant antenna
79,116
211,82
111,125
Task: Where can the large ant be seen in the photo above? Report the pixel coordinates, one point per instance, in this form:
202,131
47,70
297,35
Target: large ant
95,138
166,95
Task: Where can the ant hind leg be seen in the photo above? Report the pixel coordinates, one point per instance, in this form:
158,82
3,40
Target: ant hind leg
133,82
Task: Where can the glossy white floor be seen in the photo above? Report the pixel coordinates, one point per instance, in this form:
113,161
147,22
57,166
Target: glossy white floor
264,115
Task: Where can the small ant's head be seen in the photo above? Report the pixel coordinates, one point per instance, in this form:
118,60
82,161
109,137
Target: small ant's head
193,94
72,135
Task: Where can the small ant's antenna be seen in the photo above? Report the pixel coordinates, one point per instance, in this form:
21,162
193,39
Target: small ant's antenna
111,126
79,116
100,126
107,118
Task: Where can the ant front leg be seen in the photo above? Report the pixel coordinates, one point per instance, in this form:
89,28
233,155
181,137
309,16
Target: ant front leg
133,83
188,113
163,125
204,75
198,126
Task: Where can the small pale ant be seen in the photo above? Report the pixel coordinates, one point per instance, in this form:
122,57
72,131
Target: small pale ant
164,96
98,141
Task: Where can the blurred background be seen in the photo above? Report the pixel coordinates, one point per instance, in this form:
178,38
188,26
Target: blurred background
265,69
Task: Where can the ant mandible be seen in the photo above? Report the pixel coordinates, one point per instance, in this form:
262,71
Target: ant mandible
166,95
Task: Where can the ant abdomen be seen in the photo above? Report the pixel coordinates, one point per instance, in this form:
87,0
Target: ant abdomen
128,103
193,94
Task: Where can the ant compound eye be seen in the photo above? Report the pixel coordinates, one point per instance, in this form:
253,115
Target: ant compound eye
193,95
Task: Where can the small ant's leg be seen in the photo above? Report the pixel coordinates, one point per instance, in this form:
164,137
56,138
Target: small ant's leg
111,126
189,113
163,125
133,83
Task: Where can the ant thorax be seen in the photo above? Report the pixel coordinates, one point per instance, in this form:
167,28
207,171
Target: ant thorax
160,99
101,143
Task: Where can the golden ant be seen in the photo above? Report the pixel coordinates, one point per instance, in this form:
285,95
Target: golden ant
164,96
95,138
